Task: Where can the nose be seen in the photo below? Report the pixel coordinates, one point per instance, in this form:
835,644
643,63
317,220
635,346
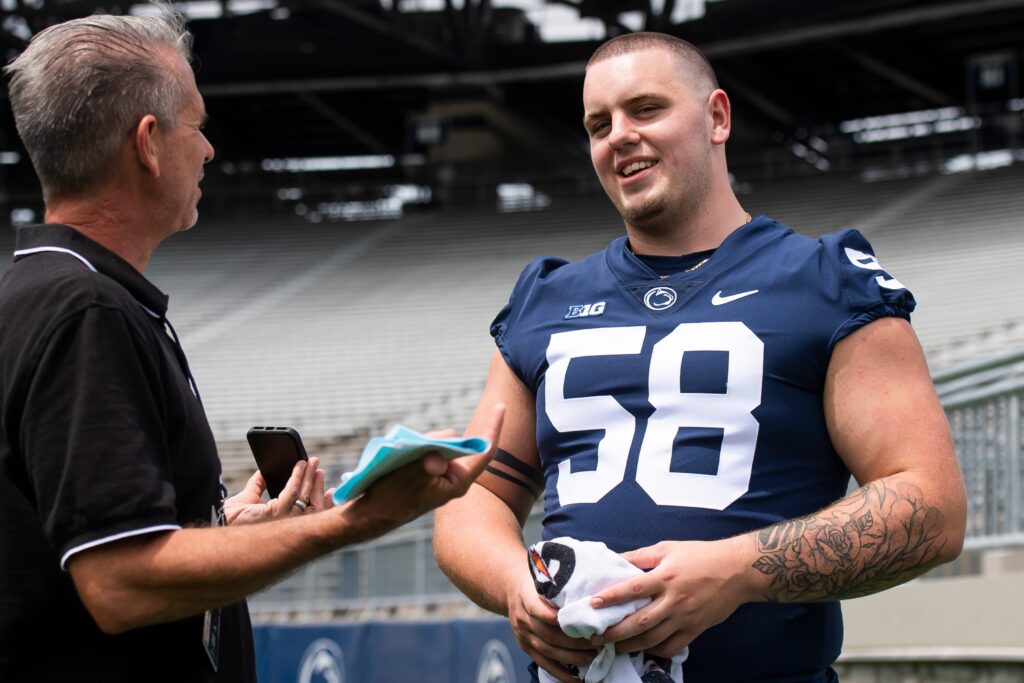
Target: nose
623,132
208,156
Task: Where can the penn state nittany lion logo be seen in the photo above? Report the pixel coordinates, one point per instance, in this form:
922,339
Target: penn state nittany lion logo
552,567
495,664
323,662
660,298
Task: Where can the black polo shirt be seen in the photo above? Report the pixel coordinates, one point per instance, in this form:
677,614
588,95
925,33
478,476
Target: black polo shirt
102,436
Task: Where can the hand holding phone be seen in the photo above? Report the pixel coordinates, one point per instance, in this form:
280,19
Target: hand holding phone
276,450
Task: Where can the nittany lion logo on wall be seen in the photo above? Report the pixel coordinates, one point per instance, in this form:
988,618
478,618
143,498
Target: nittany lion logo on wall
323,662
495,664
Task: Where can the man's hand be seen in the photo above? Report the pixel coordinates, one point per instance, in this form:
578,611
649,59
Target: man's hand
693,585
305,484
421,486
535,625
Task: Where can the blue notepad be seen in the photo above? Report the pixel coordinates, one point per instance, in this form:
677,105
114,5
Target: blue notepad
400,446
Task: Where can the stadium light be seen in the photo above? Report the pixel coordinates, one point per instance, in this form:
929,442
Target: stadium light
560,24
982,161
207,9
389,207
911,124
16,26
314,164
22,216
814,158
515,197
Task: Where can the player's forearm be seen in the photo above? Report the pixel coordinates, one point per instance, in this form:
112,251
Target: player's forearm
883,534
481,550
165,577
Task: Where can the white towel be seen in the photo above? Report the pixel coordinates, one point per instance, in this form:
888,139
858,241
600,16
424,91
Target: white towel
566,573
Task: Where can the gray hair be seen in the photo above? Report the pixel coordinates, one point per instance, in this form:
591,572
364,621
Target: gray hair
80,88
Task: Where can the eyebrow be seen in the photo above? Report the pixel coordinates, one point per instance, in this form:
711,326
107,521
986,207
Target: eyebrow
635,99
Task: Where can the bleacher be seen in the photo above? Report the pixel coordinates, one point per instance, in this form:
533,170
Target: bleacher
954,240
339,329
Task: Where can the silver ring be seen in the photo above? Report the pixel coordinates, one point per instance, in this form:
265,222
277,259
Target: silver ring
301,504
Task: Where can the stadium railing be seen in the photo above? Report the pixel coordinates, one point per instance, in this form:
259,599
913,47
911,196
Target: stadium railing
984,401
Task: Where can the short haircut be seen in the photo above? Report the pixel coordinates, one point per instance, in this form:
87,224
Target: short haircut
80,88
688,54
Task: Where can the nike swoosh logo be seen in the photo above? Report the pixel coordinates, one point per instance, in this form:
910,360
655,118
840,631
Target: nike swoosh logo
718,299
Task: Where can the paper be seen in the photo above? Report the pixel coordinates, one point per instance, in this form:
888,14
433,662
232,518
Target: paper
400,446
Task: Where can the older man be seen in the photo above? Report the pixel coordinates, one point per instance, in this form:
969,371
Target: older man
113,564
697,395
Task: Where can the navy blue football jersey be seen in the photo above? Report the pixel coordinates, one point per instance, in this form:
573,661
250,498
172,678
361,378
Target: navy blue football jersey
689,407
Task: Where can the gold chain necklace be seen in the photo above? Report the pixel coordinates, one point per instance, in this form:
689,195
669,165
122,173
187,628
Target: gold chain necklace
695,267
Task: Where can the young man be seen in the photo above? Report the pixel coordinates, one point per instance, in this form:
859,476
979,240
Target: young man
696,396
113,558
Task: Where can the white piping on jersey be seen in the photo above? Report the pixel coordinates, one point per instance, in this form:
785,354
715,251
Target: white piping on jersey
115,537
62,250
88,264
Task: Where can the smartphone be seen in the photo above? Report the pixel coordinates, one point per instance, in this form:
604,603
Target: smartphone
276,450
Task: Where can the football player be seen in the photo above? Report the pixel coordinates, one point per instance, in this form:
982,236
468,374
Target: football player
697,396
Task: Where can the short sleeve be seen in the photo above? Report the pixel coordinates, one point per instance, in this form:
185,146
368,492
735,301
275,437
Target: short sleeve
510,317
92,434
870,292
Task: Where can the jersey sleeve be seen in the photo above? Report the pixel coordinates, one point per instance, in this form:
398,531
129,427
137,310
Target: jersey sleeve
93,436
869,291
509,320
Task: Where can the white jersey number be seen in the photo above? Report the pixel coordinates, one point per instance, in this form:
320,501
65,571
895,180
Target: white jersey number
730,412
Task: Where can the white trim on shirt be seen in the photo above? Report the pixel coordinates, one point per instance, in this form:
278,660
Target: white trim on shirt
62,250
36,250
115,537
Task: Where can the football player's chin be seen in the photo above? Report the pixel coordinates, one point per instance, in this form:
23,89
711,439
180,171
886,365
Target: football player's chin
644,215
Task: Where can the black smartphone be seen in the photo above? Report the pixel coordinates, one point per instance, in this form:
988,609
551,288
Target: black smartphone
276,450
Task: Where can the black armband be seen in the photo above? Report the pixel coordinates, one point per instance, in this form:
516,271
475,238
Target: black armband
522,474
511,461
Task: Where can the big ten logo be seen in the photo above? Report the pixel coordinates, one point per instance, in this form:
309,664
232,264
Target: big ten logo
585,310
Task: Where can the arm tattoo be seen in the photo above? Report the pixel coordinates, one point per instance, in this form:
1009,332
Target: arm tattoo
879,536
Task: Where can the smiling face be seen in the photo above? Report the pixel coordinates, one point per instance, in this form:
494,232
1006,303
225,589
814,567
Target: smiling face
651,137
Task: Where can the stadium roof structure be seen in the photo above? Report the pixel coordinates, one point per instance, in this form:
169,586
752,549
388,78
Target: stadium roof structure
444,91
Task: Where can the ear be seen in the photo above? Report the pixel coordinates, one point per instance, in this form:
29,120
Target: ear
720,112
147,144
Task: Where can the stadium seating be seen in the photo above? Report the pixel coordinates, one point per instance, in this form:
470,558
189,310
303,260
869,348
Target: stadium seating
955,240
339,329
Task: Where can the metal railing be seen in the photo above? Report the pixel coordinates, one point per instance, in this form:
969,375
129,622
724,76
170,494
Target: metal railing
983,402
397,574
